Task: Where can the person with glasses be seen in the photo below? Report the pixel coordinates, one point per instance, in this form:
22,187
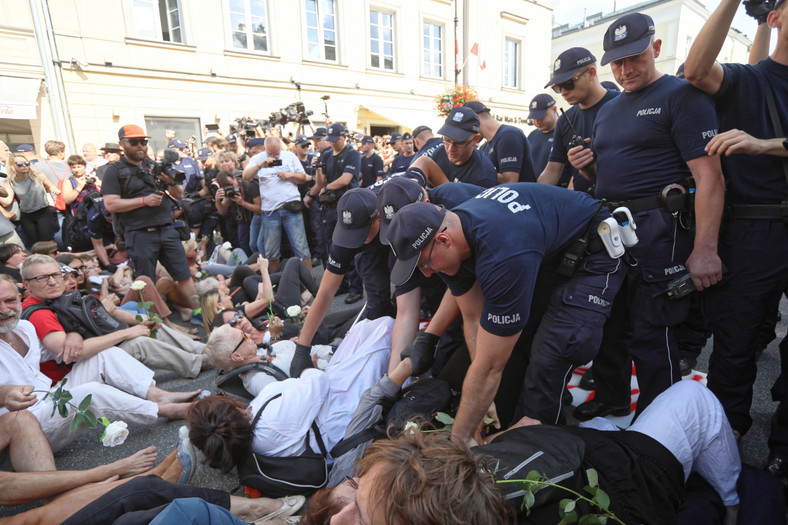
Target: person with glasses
30,188
456,159
576,79
137,200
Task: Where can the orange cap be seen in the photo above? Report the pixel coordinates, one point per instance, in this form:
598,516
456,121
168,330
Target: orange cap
132,131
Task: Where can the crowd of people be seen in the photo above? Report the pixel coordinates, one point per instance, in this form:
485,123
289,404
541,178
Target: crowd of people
648,217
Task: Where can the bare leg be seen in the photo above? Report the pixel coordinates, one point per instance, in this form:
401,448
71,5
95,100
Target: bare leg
188,293
249,509
29,449
172,405
273,264
101,252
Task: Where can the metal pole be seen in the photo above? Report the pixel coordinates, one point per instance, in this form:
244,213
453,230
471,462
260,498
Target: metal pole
46,63
61,88
456,46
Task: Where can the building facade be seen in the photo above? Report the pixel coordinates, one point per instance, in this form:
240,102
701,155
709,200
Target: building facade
77,69
677,22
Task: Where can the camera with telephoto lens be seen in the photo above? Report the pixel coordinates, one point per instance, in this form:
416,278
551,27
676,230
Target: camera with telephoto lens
166,166
230,192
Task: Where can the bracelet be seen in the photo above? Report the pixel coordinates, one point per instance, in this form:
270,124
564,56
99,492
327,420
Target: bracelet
143,201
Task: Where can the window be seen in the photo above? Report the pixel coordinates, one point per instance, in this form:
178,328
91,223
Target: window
183,127
249,24
321,30
433,50
158,20
511,63
381,40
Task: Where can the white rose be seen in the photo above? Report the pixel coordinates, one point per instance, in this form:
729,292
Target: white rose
322,364
115,434
411,428
138,285
293,311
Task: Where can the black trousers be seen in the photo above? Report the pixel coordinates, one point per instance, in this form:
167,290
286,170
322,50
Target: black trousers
140,500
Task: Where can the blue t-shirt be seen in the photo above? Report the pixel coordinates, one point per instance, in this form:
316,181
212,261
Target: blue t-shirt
509,150
583,122
453,194
348,161
643,140
401,163
428,148
477,170
541,144
193,174
741,104
371,169
511,229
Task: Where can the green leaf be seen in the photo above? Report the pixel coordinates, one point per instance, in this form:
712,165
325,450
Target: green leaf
76,422
570,505
571,517
529,500
54,409
533,476
590,519
593,477
138,317
488,420
86,402
591,490
104,421
63,410
66,397
444,418
602,499
63,383
90,419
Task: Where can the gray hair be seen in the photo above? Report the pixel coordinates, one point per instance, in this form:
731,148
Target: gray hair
36,258
207,286
220,347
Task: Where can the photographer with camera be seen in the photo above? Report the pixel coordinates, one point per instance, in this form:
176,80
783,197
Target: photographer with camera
139,194
238,199
279,173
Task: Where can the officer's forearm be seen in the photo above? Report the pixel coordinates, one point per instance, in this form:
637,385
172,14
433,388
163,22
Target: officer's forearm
707,45
447,312
341,182
406,325
709,201
508,177
250,171
479,388
329,285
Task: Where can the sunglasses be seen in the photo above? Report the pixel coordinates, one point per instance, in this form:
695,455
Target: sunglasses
137,142
235,318
448,142
429,255
20,164
569,85
243,339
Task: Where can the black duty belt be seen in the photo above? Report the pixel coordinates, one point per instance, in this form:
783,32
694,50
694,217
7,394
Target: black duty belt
769,212
672,203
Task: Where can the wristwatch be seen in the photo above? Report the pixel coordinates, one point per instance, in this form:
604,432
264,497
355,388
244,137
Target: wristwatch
785,144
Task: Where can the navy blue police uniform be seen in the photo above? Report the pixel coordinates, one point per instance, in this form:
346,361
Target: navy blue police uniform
541,144
643,141
429,147
477,170
509,150
540,223
754,250
401,163
583,122
193,175
371,169
148,231
348,161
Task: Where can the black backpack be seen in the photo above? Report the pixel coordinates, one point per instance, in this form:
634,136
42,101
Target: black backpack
83,314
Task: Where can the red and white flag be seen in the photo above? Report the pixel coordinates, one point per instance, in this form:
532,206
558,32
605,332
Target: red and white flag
479,58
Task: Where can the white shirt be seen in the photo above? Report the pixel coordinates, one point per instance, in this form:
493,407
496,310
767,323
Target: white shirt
329,398
18,370
274,191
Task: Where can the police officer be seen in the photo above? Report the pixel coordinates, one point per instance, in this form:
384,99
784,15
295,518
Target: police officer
140,201
477,248
405,156
424,141
754,243
506,147
544,114
456,159
647,141
371,164
575,78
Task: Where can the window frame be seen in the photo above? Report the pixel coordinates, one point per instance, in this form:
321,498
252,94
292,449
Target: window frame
441,52
380,55
155,8
517,73
321,43
250,34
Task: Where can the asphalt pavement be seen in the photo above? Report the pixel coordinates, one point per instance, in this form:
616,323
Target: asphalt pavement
87,451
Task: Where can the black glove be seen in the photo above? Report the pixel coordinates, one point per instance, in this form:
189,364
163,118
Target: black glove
422,352
758,9
302,359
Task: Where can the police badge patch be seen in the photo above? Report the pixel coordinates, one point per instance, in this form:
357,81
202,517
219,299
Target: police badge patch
347,217
620,33
388,210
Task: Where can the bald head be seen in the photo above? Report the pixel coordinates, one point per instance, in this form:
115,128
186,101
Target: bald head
273,146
